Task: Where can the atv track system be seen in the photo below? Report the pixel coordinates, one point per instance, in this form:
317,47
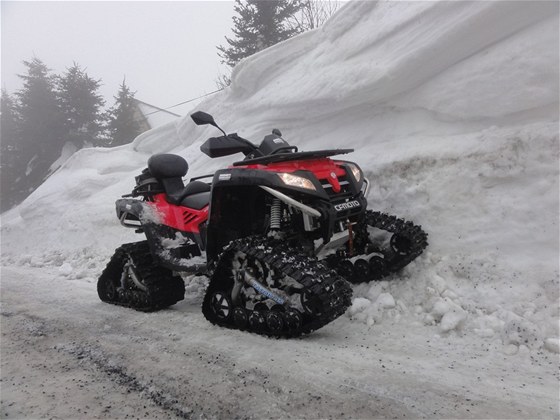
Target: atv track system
369,261
264,286
132,279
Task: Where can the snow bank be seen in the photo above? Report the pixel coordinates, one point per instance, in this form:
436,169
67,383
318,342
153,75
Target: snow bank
453,110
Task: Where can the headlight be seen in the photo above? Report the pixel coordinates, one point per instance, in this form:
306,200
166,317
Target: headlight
355,171
296,181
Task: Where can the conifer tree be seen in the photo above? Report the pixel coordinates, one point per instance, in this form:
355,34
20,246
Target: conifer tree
9,128
42,122
81,104
260,24
41,126
10,169
48,111
123,124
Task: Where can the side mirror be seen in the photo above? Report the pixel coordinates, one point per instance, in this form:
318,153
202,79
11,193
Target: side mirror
202,118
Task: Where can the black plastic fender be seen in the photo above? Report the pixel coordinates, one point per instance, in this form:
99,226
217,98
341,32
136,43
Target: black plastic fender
130,212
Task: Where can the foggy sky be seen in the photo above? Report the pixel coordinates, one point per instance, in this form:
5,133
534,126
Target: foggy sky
166,50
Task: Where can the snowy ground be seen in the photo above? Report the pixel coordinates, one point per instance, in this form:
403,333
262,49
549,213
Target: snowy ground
74,358
452,108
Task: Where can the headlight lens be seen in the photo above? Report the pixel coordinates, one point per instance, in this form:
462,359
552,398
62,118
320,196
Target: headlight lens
296,181
355,171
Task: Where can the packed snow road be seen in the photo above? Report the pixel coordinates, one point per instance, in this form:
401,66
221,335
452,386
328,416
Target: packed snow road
65,354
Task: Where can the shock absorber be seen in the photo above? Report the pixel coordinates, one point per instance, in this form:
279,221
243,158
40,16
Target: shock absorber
275,214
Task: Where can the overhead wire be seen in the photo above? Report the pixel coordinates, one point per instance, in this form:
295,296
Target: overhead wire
183,103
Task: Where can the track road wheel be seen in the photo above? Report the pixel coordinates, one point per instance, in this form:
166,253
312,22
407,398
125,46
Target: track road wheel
361,271
311,304
240,318
275,321
400,244
257,321
377,267
346,269
220,304
293,320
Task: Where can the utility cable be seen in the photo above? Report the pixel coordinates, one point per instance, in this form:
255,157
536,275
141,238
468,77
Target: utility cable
184,102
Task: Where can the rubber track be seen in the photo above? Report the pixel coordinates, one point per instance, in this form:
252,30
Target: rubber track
414,233
331,293
163,288
417,237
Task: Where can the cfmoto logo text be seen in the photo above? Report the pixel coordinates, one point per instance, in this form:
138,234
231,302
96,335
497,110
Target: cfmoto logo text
346,206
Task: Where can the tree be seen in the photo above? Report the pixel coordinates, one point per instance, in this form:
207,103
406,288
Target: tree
260,24
49,111
9,128
81,104
313,13
223,80
41,126
123,123
10,170
42,122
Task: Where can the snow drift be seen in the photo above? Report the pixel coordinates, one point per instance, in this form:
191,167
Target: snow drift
452,108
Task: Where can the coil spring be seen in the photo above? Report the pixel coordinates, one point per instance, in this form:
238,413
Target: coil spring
275,214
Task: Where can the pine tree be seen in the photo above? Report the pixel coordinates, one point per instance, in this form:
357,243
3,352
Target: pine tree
48,112
123,123
9,128
260,24
81,104
41,126
10,169
42,122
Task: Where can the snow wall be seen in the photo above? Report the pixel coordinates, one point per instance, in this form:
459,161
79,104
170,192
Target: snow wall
452,108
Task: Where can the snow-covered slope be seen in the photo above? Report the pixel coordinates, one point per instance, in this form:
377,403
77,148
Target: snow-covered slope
452,108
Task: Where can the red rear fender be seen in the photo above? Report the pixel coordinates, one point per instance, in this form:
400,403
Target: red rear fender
179,217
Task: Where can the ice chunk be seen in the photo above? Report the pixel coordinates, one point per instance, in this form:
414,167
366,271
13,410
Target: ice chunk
452,319
521,331
552,345
385,301
65,269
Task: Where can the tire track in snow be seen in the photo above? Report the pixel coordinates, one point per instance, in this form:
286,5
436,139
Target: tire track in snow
118,374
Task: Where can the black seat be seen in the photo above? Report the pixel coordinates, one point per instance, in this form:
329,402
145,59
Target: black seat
196,201
166,165
192,188
169,170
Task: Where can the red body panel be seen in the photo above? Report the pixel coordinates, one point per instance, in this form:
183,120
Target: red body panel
322,169
179,217
188,220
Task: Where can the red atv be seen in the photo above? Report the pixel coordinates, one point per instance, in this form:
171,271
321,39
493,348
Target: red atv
276,233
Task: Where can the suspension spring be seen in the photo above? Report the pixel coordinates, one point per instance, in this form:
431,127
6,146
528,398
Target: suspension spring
275,214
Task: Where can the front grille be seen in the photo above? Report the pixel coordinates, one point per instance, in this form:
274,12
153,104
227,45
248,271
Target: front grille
344,187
